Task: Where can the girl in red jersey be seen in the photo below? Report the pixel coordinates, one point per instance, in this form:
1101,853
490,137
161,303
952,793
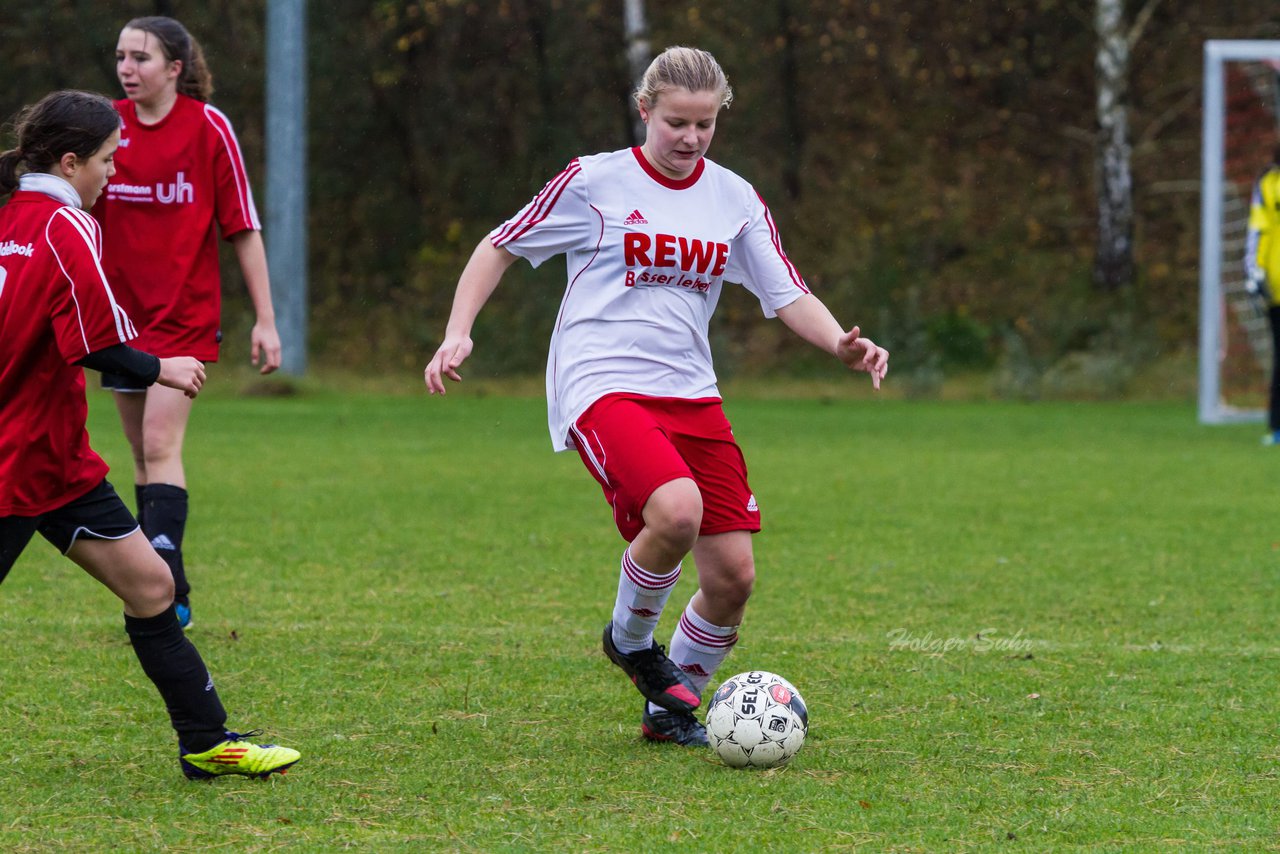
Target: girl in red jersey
57,314
180,181
649,235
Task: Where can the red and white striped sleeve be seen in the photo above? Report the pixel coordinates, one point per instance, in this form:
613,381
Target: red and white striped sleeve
758,261
86,316
233,197
557,220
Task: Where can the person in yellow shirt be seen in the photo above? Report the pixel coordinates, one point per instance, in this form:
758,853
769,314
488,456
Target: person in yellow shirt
1262,268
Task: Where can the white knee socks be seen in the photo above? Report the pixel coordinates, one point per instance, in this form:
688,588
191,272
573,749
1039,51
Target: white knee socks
641,597
698,647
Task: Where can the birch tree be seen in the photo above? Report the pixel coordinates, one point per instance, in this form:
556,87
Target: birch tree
1113,262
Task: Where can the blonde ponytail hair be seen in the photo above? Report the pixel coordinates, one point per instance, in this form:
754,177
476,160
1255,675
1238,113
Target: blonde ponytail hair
683,68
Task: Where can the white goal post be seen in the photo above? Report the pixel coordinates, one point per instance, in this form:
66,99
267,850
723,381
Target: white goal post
1227,314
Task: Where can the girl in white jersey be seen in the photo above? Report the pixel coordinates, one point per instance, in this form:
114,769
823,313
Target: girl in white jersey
649,235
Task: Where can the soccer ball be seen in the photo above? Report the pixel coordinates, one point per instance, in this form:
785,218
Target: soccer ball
757,720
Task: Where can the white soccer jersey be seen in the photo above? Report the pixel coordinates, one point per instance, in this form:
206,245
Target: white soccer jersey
647,256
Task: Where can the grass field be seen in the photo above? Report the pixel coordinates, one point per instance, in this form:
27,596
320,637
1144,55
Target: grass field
1024,627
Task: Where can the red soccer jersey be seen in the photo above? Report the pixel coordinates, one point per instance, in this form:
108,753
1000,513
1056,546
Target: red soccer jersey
178,183
55,308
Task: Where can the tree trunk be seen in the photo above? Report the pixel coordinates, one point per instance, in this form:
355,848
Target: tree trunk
1113,263
792,123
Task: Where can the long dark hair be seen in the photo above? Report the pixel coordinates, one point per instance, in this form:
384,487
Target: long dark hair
195,81
64,121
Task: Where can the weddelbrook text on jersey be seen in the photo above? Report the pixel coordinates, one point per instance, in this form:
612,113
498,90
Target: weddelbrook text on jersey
11,248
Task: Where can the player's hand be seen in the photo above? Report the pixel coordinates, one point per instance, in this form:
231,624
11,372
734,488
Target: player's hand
862,354
266,347
183,373
452,353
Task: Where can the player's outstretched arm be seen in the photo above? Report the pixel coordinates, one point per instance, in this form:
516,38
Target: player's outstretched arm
812,321
181,372
477,283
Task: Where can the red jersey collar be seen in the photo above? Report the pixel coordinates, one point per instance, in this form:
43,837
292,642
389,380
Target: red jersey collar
125,105
669,183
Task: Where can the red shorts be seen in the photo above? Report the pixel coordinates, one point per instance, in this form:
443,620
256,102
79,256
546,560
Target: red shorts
633,444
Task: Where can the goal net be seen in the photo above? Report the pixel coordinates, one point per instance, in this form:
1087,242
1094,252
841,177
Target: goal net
1241,130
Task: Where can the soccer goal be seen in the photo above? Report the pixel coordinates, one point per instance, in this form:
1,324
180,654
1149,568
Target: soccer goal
1241,129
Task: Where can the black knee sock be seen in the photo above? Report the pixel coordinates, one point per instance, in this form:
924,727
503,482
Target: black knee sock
164,521
171,661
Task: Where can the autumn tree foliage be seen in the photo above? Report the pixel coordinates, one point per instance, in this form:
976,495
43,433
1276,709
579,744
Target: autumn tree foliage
932,167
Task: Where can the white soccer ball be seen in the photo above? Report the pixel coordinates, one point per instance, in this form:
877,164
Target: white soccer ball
757,720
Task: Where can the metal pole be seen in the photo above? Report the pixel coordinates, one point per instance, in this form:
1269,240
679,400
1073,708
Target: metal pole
636,32
286,223
1210,228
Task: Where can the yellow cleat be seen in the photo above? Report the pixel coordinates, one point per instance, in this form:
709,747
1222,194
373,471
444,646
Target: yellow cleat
238,756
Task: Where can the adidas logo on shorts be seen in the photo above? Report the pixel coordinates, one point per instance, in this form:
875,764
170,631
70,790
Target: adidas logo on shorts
163,542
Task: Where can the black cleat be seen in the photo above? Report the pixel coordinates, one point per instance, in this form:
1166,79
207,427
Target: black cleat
683,729
654,675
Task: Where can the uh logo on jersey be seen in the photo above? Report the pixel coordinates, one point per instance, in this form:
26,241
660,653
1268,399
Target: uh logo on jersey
179,191
692,263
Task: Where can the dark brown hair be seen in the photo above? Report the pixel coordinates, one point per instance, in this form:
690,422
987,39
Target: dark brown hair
195,81
60,122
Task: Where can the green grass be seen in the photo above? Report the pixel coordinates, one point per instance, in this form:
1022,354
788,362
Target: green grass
411,592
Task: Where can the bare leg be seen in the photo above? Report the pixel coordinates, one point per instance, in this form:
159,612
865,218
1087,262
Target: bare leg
726,575
164,426
131,406
129,568
672,516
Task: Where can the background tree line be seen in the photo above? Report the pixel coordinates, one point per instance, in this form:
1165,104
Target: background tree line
931,167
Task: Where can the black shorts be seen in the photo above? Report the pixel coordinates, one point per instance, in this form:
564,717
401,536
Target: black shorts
119,382
99,514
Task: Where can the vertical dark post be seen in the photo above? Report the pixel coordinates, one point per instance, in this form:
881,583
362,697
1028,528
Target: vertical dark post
793,122
286,223
638,58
